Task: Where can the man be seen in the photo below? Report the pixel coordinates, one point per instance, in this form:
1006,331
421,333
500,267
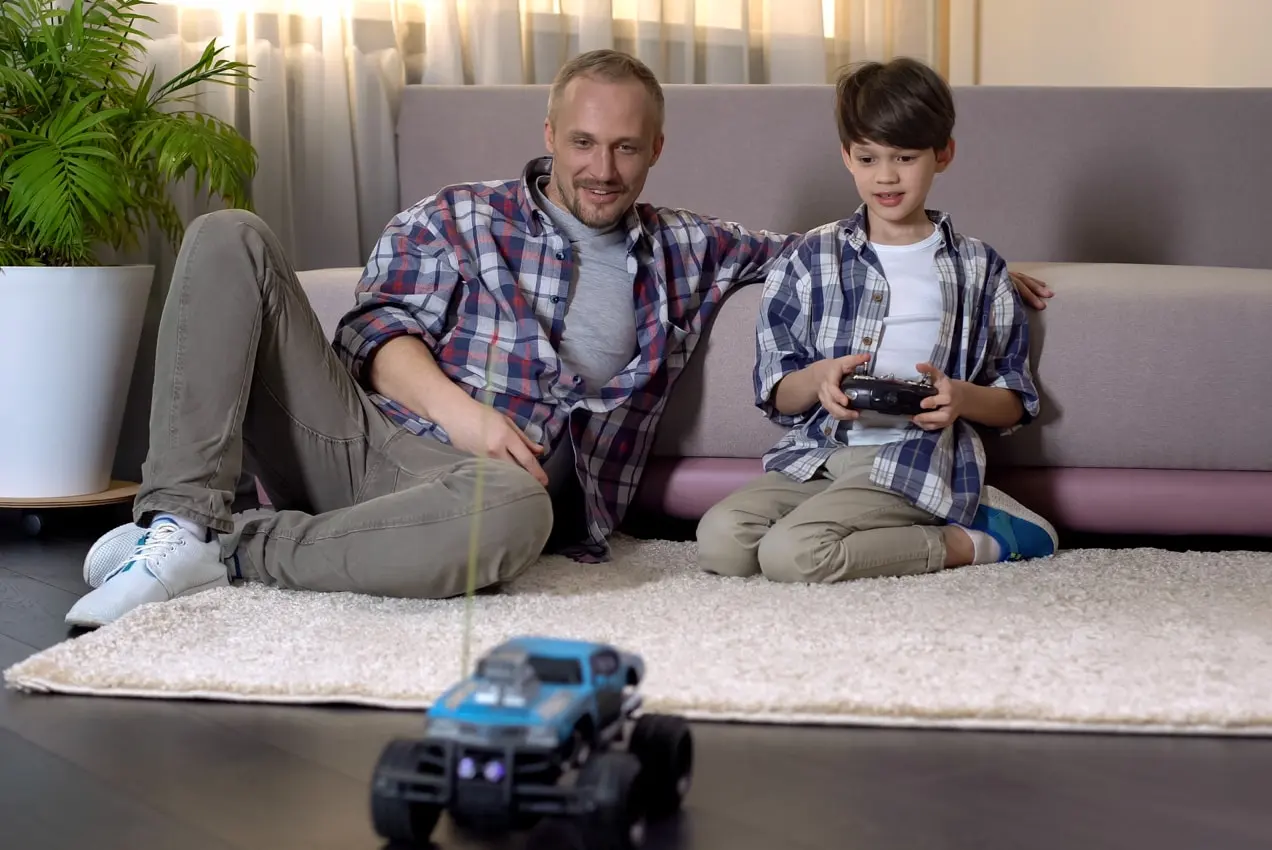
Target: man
537,324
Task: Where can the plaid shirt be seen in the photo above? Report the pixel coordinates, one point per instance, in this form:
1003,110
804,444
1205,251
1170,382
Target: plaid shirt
480,274
828,298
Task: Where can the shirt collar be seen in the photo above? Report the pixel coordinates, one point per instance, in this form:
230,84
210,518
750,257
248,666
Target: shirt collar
855,228
537,219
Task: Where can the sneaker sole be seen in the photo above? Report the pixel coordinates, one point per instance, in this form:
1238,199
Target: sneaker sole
97,623
996,498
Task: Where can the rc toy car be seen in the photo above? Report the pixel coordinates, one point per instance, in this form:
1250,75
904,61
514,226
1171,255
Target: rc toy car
529,740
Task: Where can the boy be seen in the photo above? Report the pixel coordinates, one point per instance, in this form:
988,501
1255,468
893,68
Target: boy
891,291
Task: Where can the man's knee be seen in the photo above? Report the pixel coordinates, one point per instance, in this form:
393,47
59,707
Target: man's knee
225,226
518,518
725,542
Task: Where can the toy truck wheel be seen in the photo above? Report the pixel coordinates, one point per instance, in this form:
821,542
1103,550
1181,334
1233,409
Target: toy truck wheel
664,745
617,822
394,818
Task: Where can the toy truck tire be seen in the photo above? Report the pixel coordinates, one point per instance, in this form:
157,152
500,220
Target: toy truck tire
394,817
664,746
618,816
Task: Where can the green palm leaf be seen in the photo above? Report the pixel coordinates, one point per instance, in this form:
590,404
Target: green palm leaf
90,145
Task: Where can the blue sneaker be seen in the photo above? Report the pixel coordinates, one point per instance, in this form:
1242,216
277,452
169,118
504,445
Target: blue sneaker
1020,532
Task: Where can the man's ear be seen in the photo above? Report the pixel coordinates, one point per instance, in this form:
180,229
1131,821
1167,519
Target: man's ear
945,156
658,147
549,140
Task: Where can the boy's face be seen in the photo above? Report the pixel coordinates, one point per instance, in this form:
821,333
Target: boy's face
894,183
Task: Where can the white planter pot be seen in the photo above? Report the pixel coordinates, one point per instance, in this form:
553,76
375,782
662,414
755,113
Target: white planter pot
68,346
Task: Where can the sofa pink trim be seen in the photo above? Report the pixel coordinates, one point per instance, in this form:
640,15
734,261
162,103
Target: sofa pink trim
1115,501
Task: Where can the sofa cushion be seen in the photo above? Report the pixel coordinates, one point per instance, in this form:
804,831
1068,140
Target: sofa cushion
1138,366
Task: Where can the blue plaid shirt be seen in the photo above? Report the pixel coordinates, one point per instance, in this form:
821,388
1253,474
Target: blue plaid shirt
480,274
831,286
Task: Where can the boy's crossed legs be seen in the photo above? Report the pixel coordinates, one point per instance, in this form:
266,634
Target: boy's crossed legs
839,526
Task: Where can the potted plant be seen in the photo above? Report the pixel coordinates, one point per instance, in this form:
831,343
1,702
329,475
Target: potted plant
90,147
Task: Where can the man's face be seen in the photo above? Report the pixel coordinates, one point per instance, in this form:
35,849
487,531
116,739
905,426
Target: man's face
605,139
894,182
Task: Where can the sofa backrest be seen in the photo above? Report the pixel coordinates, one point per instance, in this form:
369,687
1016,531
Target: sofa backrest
1104,175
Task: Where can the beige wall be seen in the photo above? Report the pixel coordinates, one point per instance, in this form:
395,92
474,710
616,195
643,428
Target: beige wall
1124,42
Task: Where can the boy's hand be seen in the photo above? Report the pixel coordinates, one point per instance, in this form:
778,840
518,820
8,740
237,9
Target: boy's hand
944,407
831,375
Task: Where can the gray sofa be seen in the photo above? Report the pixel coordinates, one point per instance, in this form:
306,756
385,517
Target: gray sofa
1144,209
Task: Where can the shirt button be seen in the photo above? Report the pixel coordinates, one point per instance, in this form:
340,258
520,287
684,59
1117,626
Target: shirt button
877,297
867,341
560,255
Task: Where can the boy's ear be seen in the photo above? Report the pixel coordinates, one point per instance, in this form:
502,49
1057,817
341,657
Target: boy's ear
944,156
843,152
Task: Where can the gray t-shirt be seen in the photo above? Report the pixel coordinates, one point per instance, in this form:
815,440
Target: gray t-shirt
599,338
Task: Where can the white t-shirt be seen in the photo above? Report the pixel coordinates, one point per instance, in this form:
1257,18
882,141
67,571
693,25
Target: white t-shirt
910,330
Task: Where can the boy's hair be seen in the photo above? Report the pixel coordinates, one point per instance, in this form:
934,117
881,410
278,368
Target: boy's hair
612,66
901,104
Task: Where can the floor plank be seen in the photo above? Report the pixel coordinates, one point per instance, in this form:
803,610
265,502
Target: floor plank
32,611
50,802
147,774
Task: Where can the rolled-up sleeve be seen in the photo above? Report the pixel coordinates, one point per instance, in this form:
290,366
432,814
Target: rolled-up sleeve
783,331
405,289
1007,362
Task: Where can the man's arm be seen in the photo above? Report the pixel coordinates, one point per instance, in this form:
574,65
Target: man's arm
405,288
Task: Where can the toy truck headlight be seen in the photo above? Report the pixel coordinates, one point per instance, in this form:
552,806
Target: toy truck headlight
441,727
541,736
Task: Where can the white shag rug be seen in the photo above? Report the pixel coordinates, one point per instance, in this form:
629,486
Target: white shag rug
1137,640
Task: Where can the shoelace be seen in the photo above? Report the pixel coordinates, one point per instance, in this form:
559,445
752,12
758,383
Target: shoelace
159,538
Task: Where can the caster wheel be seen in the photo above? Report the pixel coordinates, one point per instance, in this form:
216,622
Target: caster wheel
32,524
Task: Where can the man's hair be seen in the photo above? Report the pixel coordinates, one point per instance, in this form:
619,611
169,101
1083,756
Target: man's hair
901,104
611,66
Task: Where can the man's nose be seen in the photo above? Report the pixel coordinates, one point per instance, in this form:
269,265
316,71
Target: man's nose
605,166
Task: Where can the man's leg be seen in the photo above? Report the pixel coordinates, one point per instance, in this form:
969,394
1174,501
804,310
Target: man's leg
427,515
242,361
730,532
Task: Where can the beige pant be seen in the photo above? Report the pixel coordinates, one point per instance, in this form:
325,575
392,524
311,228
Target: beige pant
245,378
835,527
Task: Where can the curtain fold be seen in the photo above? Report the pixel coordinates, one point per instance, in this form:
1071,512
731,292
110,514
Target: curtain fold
329,75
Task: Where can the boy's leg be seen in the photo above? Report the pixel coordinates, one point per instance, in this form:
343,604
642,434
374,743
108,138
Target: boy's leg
242,361
853,529
730,532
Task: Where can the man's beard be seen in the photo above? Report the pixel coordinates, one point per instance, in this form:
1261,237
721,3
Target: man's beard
574,204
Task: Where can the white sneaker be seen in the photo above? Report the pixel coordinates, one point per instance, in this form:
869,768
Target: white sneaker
167,563
111,551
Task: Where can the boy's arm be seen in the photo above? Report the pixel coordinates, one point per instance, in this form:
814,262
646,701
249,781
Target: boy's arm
1003,395
784,359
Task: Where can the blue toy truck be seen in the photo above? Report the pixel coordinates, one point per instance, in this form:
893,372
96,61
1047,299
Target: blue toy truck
530,741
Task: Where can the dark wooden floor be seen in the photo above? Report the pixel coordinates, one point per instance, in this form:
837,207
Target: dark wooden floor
99,773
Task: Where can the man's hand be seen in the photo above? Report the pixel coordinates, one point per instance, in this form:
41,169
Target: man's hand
1031,290
485,432
944,407
830,374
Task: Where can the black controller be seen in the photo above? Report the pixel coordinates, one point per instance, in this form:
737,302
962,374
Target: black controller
890,396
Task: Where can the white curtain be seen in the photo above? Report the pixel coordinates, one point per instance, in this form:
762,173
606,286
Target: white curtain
322,109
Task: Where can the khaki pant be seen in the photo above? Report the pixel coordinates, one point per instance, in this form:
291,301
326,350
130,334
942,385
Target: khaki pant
835,527
245,378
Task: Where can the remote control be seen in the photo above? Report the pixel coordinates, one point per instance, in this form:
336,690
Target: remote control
889,396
